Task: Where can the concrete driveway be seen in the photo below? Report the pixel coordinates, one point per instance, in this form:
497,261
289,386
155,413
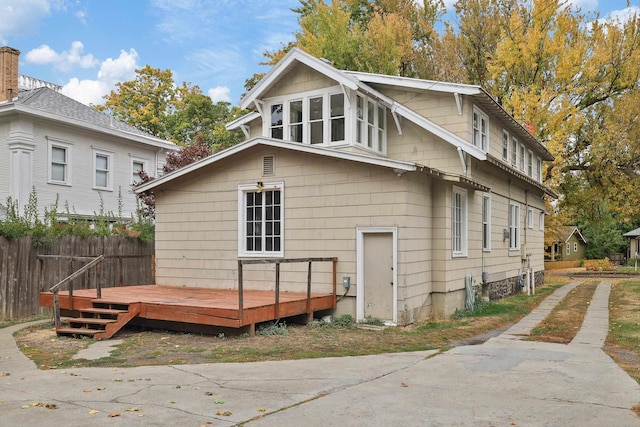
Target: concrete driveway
503,382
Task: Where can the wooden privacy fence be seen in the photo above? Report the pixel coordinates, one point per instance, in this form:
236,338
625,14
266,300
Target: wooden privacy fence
26,270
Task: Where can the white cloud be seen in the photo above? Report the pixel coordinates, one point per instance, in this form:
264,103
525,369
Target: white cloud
220,93
623,15
111,72
65,60
86,91
19,17
585,5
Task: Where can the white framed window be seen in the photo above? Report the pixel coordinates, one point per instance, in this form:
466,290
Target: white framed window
486,222
568,248
59,164
459,222
316,122
529,164
480,129
370,119
521,157
514,152
575,246
541,221
505,145
103,169
276,126
514,226
314,117
295,121
530,218
336,112
538,175
138,165
261,219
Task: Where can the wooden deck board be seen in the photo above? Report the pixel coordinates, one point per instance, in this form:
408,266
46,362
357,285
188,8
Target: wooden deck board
217,307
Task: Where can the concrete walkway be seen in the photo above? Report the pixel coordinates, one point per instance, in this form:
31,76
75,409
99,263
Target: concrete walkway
503,382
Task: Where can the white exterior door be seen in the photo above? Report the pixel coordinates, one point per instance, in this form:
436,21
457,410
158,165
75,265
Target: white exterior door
377,287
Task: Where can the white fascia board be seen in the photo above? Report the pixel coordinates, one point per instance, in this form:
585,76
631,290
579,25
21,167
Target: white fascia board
411,83
295,146
439,131
147,140
247,118
298,55
424,123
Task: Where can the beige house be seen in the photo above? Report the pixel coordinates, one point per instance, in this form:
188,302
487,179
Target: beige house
425,192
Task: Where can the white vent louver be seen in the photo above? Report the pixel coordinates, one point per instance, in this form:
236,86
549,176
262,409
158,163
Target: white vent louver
267,166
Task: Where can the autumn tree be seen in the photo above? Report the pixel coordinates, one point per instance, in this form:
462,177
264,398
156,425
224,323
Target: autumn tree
152,103
175,160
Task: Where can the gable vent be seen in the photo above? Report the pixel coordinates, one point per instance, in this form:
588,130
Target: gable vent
267,166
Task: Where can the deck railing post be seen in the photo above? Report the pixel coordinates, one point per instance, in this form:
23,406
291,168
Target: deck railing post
335,273
277,290
309,288
56,309
240,292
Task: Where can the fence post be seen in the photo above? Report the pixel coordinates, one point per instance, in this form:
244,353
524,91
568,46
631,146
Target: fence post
277,316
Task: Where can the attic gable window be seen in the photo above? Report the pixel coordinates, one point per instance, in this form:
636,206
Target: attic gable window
311,118
480,129
371,124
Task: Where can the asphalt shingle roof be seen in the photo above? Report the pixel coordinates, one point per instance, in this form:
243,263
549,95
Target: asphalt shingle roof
50,101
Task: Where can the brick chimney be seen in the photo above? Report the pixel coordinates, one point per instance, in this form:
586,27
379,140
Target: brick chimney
8,73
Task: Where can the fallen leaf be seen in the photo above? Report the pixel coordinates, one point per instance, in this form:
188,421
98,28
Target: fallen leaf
404,385
172,401
141,415
218,401
224,413
261,410
211,393
100,388
93,412
87,390
178,386
51,406
134,409
114,414
4,374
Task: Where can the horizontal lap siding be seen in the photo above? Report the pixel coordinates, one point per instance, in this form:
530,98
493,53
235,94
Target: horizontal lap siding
325,201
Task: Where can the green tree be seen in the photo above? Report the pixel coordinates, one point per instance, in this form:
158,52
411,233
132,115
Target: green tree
152,103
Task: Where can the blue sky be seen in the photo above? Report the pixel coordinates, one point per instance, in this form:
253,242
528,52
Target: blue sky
87,46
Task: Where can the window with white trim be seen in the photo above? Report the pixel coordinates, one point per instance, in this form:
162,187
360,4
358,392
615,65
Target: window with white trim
486,222
530,218
102,166
514,152
59,161
277,122
522,159
538,176
480,129
336,112
370,120
137,165
505,145
261,219
295,121
459,222
568,248
514,226
575,246
530,164
541,221
316,122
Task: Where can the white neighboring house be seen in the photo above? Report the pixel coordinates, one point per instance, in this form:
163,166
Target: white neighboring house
67,150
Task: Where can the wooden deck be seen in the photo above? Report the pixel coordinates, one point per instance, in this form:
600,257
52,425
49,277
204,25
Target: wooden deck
202,306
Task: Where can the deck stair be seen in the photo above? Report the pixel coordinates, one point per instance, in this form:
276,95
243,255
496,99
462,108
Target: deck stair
101,321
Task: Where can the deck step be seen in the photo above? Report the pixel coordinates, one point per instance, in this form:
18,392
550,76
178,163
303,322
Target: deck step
91,321
100,312
77,331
